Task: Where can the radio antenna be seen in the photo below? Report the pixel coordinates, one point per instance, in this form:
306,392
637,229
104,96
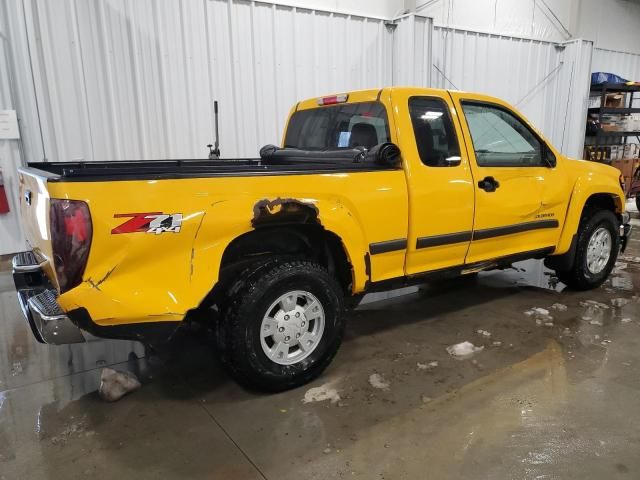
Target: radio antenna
214,150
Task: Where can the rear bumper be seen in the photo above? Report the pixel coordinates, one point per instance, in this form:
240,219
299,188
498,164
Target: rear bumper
625,230
38,301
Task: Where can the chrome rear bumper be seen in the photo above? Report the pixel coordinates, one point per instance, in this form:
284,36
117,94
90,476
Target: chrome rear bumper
38,300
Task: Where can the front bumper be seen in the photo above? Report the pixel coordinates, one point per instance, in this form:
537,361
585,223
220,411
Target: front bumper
625,230
38,301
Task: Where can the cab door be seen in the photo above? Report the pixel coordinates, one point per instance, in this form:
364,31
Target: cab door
512,169
439,180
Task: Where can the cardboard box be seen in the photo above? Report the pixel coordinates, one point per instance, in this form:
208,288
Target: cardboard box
610,127
625,167
614,100
615,154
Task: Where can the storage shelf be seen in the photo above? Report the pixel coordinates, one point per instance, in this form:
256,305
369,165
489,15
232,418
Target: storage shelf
602,133
619,111
615,87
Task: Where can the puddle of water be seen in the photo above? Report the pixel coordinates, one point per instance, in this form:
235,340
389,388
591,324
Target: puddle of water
530,273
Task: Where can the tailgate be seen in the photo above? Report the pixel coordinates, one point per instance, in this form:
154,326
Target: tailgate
34,213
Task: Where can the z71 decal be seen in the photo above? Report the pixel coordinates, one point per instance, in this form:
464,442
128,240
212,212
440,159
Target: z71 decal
149,222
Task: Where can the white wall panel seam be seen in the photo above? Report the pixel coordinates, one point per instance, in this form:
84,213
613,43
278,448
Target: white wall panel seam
77,55
319,10
493,34
110,91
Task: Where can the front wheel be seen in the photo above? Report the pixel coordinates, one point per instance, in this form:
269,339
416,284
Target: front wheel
282,326
596,251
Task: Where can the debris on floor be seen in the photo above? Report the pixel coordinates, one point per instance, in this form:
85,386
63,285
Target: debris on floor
559,307
622,283
537,311
619,267
16,369
377,381
619,302
322,393
427,366
593,303
541,315
596,322
625,320
71,430
484,333
463,350
115,384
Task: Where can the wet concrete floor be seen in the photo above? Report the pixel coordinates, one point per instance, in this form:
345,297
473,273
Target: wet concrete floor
551,395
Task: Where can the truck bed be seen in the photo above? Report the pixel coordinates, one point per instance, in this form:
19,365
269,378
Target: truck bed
304,163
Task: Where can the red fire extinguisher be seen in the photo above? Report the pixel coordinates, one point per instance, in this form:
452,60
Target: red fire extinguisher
4,202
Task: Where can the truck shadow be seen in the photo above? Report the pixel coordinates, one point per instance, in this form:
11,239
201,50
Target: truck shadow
428,318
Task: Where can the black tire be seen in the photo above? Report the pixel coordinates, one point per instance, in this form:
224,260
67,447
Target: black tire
638,202
580,277
248,301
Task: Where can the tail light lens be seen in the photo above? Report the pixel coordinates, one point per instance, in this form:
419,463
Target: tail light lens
71,232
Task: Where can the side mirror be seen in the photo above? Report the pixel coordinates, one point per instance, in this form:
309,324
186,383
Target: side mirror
548,157
387,154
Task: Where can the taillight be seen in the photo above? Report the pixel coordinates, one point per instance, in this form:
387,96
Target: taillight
333,99
71,232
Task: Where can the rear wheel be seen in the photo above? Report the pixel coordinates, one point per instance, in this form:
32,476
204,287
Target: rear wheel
596,250
282,326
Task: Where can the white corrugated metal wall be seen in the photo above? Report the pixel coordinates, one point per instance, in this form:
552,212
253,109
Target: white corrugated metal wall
624,64
118,79
11,238
412,50
533,75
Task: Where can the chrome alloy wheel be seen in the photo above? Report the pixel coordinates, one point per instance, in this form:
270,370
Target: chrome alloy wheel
599,250
292,327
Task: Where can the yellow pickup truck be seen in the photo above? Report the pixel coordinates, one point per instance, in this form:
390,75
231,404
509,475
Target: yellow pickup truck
369,190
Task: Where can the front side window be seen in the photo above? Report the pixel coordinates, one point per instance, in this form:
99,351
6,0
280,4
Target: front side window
344,126
500,139
435,136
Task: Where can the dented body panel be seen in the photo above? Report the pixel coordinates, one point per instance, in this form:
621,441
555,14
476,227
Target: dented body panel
130,277
158,242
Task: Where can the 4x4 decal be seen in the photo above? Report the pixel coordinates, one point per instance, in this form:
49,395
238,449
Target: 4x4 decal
149,222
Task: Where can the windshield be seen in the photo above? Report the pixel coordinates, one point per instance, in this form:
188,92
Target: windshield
345,126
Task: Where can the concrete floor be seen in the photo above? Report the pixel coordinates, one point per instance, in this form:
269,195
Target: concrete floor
556,401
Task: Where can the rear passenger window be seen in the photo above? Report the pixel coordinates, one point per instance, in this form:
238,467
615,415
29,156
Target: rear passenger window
435,136
347,125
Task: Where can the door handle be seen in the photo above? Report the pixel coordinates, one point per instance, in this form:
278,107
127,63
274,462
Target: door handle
488,184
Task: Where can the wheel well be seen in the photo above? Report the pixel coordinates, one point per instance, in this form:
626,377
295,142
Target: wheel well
308,240
603,201
598,201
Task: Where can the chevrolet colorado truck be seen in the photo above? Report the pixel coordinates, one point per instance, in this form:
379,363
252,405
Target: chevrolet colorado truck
370,190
